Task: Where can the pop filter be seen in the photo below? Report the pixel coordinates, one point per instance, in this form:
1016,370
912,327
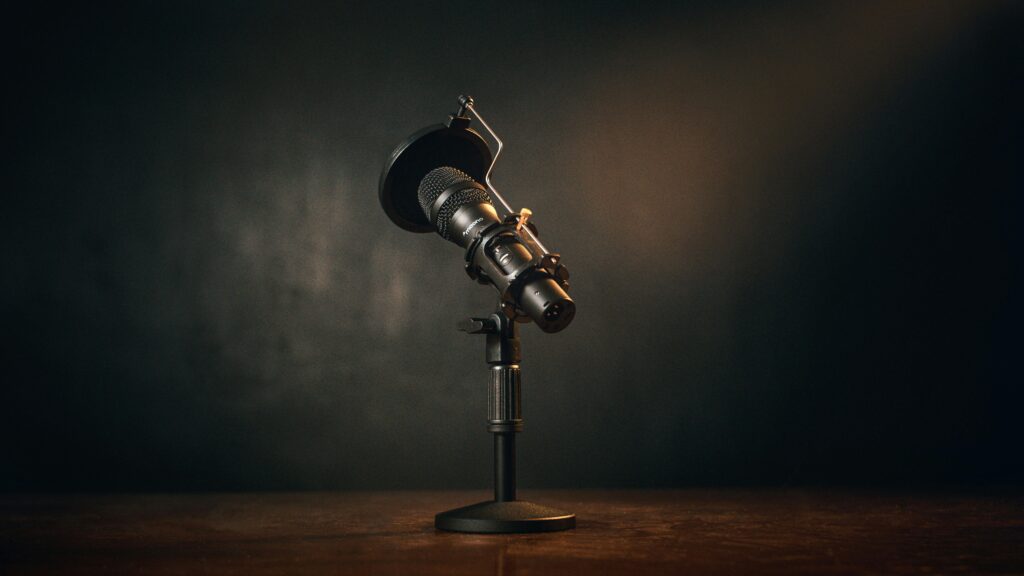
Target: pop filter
455,145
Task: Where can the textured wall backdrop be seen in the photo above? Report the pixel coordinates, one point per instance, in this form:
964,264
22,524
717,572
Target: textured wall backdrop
794,232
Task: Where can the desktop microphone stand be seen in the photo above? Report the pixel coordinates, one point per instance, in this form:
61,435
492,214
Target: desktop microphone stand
505,513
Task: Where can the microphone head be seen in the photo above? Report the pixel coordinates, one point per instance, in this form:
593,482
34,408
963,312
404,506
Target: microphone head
466,191
455,145
437,181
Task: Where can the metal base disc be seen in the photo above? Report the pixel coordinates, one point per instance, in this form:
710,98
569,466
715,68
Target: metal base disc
505,517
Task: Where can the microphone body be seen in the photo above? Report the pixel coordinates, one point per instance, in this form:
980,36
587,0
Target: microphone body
461,210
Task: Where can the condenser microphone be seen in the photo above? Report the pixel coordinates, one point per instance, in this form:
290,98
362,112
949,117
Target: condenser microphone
461,211
438,181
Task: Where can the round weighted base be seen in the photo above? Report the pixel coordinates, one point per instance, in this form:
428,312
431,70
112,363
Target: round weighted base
505,517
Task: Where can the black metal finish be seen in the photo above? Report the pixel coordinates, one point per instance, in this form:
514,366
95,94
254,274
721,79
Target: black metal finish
505,517
505,514
532,284
505,466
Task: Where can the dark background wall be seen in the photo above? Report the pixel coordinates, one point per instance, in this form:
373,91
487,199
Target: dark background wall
794,231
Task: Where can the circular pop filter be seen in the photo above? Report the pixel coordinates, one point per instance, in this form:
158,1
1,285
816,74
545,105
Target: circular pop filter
456,145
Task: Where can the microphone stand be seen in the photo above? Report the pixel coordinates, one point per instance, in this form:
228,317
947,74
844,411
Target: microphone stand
505,513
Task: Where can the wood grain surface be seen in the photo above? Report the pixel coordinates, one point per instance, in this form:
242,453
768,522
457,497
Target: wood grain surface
622,532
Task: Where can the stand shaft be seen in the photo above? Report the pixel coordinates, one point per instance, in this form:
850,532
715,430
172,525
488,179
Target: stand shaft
504,420
505,514
504,466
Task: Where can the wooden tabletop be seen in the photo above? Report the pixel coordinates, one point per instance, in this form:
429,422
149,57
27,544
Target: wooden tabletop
622,532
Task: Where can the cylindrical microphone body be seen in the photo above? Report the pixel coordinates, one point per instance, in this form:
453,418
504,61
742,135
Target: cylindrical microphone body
462,212
468,222
543,298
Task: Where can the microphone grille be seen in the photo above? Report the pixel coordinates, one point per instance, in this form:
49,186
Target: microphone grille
437,181
467,197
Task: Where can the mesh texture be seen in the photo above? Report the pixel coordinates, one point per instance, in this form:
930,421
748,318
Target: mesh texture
453,203
437,181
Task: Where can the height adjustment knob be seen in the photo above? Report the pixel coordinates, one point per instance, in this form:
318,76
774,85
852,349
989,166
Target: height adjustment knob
504,411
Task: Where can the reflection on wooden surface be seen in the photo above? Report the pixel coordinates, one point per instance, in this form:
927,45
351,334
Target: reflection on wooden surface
622,532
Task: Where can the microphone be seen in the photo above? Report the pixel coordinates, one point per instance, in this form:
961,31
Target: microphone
461,211
433,182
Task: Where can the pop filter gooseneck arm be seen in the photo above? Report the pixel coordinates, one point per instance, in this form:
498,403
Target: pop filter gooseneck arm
467,104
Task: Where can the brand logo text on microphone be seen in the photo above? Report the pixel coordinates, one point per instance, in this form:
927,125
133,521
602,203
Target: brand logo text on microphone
471,226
